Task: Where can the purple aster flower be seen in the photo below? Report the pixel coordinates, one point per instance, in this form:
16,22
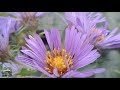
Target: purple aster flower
84,21
87,23
6,27
58,61
107,39
26,18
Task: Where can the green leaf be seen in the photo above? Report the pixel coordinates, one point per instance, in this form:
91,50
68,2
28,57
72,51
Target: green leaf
112,65
113,19
51,20
25,72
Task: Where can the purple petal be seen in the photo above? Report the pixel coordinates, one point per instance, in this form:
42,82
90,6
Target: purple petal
49,40
26,60
70,39
56,39
111,34
67,74
90,58
83,74
53,39
37,47
34,64
56,72
42,70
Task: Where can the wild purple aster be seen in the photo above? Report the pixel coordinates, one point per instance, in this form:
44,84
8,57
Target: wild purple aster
87,23
5,30
26,18
60,62
83,21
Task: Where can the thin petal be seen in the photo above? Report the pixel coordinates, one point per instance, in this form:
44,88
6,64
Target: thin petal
53,39
56,72
90,58
84,74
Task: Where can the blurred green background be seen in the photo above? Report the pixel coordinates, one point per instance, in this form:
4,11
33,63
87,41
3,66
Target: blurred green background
110,59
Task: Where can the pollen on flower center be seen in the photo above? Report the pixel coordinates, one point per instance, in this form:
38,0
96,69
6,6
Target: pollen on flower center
100,38
59,63
59,60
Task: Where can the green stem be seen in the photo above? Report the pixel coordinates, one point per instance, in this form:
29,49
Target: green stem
1,65
20,30
30,31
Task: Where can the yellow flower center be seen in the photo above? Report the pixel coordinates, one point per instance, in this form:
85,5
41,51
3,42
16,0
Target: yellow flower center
59,59
101,38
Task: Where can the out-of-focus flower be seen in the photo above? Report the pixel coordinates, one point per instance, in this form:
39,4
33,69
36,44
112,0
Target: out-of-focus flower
27,18
104,39
6,28
87,23
84,21
60,62
13,23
